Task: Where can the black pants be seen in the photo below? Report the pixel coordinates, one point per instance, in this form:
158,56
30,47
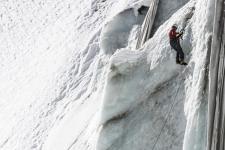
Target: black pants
175,44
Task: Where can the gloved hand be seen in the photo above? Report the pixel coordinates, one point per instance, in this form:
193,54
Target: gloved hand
181,35
182,31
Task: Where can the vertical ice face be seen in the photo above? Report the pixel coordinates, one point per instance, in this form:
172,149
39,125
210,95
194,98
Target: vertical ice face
68,66
216,107
196,101
165,10
148,23
138,78
121,110
115,33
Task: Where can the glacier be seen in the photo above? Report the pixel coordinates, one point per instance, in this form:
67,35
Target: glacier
72,78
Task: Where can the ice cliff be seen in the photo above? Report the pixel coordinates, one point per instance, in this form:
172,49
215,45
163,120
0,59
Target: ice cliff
72,78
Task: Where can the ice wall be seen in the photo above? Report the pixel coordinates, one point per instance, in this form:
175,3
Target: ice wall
196,18
59,89
146,30
216,82
159,11
196,101
165,10
136,78
116,32
78,126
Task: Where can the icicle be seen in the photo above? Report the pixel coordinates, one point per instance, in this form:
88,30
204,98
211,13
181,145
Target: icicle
148,23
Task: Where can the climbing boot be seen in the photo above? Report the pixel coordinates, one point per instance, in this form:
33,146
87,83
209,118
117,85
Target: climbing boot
177,61
183,63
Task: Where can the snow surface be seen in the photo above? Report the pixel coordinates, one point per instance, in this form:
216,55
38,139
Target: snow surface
61,90
46,71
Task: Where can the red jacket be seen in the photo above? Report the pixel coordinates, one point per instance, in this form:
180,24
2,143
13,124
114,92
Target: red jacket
173,34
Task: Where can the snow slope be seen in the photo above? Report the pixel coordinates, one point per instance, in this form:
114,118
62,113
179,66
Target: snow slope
68,83
44,67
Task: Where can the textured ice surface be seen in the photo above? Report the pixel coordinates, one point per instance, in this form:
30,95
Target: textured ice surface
160,62
57,86
136,77
115,33
140,128
165,10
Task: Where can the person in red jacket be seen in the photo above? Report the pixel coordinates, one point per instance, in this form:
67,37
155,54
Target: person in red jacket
175,44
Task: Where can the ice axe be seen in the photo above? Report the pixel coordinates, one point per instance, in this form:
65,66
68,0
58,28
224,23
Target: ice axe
182,32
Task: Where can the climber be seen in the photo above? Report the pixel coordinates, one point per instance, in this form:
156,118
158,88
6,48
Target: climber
175,44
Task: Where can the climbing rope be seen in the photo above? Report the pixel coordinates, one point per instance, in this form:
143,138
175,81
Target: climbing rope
167,117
